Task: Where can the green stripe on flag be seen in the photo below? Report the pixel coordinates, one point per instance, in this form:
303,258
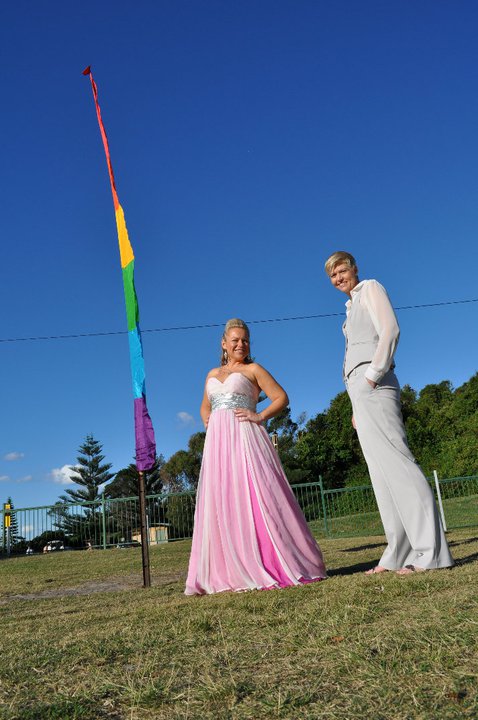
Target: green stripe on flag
132,311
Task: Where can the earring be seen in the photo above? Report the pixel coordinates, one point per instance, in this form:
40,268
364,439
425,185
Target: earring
225,357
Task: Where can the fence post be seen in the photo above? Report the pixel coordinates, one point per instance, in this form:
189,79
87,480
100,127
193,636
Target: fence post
324,509
440,504
103,518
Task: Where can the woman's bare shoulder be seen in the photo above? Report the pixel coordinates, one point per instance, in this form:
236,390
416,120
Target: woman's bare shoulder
256,369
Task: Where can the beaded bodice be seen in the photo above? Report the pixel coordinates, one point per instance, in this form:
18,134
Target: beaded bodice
237,391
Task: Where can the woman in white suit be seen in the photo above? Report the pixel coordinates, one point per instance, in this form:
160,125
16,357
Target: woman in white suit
409,514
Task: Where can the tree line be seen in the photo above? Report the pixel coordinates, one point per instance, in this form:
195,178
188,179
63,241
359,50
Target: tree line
441,424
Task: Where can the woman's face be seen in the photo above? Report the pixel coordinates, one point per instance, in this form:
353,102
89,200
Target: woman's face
236,344
344,278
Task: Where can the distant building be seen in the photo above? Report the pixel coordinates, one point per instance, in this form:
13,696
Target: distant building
158,534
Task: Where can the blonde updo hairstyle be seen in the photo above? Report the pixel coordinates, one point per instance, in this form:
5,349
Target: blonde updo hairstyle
234,323
340,258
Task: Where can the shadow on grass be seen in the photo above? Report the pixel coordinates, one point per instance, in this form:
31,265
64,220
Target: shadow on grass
352,569
363,567
359,548
454,543
467,560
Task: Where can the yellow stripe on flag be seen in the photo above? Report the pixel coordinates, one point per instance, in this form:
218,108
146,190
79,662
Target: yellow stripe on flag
126,251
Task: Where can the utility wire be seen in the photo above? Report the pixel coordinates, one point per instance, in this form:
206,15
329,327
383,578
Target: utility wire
220,324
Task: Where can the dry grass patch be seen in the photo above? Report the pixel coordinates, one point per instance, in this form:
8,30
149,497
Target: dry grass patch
99,646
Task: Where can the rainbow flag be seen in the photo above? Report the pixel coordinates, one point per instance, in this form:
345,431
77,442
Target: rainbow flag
144,432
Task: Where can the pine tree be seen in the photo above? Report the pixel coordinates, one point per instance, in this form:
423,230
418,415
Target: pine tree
89,473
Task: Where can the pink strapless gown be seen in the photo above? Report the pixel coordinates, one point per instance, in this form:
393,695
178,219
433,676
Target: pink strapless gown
249,531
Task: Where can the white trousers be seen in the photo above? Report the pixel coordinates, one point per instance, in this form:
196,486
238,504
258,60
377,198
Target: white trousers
405,499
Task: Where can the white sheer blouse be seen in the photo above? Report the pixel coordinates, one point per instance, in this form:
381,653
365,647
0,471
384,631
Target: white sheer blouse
374,298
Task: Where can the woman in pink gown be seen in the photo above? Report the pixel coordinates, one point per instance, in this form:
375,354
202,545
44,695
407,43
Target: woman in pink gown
249,532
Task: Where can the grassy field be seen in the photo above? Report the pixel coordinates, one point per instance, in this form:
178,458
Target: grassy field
82,639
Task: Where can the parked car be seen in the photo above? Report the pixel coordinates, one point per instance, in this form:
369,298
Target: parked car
54,545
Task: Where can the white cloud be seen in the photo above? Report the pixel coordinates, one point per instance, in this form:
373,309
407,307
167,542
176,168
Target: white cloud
7,478
185,418
11,456
62,475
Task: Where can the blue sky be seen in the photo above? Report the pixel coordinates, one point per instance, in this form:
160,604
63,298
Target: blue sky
249,141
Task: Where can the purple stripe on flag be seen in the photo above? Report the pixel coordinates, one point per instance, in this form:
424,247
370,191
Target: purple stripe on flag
145,442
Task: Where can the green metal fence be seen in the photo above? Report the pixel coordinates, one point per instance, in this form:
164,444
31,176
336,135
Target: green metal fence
353,511
108,522
350,512
460,501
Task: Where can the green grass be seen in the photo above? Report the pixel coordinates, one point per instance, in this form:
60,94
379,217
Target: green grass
461,511
349,525
81,639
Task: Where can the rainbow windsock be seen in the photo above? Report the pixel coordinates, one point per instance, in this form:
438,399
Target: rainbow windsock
144,432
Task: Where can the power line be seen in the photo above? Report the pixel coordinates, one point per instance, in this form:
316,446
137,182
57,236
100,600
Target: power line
220,324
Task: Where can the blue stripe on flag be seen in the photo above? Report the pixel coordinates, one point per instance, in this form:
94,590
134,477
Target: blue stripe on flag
137,362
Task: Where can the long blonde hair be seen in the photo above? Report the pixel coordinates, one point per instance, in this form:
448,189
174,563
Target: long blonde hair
234,323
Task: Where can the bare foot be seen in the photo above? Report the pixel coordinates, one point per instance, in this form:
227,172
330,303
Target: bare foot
376,570
410,569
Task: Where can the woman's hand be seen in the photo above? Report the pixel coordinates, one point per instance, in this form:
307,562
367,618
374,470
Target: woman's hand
244,414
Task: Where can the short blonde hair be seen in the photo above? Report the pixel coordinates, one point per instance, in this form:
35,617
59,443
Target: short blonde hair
337,258
234,323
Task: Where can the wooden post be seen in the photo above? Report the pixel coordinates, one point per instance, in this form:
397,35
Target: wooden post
144,531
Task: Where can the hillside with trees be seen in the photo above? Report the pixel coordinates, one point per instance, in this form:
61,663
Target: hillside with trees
441,424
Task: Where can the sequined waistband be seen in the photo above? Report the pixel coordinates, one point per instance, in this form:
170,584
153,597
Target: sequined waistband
231,401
